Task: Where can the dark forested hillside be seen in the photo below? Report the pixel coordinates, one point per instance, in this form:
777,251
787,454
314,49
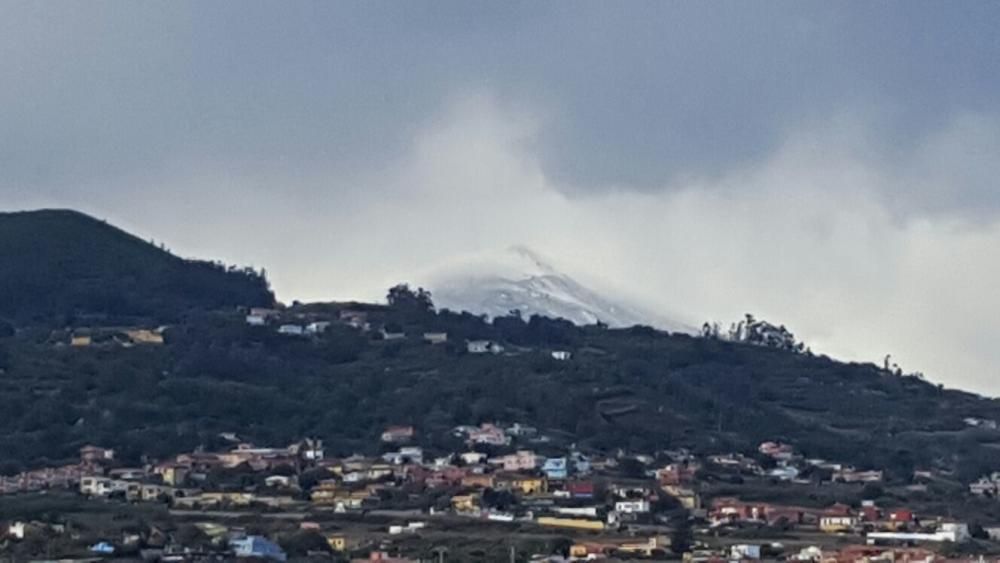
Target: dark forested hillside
636,389
63,265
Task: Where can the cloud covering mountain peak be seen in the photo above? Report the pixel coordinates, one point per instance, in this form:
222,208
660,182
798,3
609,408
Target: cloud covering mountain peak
519,278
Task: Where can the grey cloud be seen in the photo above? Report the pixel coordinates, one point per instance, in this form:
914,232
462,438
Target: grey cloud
633,99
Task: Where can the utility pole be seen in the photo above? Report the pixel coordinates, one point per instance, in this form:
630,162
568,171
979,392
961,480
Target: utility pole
513,554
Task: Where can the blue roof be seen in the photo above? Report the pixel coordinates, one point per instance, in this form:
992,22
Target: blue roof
102,547
257,546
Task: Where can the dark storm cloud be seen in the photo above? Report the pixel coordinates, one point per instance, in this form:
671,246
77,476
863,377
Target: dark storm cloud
633,98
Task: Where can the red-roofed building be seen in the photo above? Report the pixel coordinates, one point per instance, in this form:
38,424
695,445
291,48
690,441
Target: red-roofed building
446,477
676,474
901,515
580,489
729,510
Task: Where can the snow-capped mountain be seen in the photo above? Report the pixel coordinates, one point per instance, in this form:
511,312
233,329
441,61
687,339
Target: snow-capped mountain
520,279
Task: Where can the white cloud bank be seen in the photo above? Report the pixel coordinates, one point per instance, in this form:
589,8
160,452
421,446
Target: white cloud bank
812,237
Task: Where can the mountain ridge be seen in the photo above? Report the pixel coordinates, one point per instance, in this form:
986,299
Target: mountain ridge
521,279
64,263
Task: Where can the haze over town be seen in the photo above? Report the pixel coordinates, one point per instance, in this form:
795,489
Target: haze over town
829,167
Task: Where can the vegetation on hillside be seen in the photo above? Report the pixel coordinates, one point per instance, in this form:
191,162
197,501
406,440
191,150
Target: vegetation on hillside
635,389
66,268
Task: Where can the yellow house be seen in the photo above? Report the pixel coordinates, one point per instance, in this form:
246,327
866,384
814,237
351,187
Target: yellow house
836,524
338,542
577,523
342,499
645,548
688,498
533,485
144,336
465,503
171,474
584,550
274,501
526,485
212,529
152,493
380,470
80,340
236,499
325,493
478,480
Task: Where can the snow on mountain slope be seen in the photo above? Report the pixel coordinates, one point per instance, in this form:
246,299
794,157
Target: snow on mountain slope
495,284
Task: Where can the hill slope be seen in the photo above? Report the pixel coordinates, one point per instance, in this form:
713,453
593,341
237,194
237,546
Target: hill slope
67,264
633,389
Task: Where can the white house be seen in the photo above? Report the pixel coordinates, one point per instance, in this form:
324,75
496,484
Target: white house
128,473
291,330
483,347
954,532
311,450
810,553
279,481
17,530
520,430
742,552
405,455
589,511
410,528
443,461
318,327
105,486
785,473
354,477
473,458
522,460
386,335
632,506
258,316
561,355
436,337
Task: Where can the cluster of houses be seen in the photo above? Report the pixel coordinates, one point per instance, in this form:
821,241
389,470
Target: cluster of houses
64,476
987,486
125,337
789,466
306,325
564,488
303,325
854,553
877,524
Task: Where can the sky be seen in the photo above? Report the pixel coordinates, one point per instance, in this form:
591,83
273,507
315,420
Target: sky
831,166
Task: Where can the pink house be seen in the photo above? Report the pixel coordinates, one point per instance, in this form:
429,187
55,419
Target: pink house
489,434
398,434
522,460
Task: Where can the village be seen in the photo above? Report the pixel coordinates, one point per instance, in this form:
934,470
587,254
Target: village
541,498
626,506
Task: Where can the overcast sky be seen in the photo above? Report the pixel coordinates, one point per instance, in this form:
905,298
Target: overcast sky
829,165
